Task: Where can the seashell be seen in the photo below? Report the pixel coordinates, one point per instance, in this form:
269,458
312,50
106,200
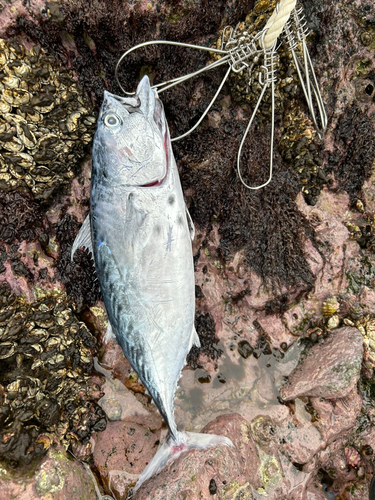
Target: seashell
29,114
11,82
14,386
362,329
5,107
370,327
330,306
5,177
26,135
45,109
3,57
29,181
54,360
7,349
14,146
53,342
16,97
37,347
22,71
41,173
16,48
47,140
46,440
16,171
89,120
25,160
86,138
72,121
348,322
5,315
37,364
333,322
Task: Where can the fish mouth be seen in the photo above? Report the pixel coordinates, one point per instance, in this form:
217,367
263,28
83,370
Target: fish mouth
161,181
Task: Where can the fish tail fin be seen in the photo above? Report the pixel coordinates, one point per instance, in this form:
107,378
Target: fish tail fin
171,449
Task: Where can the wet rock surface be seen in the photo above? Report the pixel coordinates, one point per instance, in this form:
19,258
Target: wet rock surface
283,275
218,471
57,476
330,369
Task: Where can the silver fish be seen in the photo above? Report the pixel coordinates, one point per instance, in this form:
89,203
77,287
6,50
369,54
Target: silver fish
139,232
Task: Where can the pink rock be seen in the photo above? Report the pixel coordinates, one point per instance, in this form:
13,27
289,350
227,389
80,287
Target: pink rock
356,490
337,417
329,370
228,471
58,476
121,452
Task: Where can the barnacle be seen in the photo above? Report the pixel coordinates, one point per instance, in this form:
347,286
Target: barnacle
45,388
330,306
45,121
366,325
263,431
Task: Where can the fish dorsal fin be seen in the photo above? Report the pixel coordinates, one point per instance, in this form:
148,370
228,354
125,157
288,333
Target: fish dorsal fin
190,224
83,238
109,334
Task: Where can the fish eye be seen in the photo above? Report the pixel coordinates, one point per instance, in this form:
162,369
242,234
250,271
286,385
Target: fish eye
111,120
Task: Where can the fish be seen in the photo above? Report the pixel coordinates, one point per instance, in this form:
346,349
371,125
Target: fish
140,234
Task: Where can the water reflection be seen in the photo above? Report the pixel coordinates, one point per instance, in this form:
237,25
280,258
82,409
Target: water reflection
247,386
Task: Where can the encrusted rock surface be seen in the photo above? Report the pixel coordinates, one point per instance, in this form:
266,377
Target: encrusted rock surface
330,369
279,272
57,476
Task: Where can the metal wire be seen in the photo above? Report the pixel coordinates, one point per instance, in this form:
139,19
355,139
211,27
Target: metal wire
242,52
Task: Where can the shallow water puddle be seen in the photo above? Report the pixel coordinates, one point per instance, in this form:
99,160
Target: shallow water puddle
246,386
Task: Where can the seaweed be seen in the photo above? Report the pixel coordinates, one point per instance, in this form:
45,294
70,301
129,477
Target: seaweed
78,275
205,327
355,151
20,218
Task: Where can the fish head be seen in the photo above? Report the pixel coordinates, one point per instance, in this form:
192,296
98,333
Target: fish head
132,139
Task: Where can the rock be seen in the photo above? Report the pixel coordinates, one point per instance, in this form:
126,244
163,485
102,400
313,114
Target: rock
191,476
330,369
335,418
121,453
58,476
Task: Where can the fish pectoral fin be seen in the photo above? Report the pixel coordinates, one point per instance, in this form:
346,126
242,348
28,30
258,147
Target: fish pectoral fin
109,334
190,223
194,339
83,238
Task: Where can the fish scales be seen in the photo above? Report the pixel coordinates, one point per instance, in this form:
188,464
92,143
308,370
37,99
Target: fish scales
140,233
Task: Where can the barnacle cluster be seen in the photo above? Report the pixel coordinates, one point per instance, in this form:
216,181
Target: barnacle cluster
366,325
299,144
45,121
245,86
45,390
362,229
